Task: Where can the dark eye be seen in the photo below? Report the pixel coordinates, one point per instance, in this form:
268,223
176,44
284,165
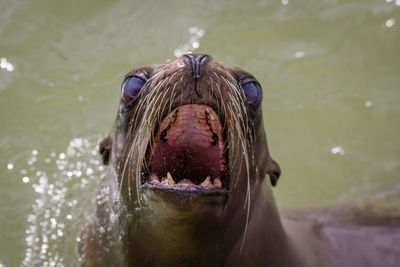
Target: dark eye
131,89
253,94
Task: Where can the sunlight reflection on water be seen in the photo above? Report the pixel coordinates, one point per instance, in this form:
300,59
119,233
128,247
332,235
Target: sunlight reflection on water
54,224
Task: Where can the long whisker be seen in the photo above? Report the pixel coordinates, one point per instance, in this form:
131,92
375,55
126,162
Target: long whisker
158,97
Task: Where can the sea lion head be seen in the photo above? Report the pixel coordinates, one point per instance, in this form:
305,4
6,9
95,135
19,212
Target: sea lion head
189,145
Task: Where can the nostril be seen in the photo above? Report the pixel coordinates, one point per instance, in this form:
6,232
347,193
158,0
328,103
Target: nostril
195,61
196,57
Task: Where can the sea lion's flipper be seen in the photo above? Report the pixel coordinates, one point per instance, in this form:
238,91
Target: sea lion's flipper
105,148
274,171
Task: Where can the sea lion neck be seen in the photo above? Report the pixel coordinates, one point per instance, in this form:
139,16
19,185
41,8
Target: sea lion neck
169,235
209,234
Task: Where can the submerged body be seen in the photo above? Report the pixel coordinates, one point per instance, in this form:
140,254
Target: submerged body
186,181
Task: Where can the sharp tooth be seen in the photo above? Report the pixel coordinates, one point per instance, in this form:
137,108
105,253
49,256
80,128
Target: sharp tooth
206,182
212,117
170,180
217,182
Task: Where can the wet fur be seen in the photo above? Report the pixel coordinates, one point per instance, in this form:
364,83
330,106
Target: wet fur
305,238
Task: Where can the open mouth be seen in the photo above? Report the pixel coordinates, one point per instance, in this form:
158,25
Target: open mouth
188,153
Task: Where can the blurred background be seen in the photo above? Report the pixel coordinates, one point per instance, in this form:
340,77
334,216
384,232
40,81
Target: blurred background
330,71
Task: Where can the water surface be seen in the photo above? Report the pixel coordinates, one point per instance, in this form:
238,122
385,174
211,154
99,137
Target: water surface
329,70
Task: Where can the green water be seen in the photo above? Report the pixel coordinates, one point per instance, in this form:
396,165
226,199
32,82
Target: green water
330,71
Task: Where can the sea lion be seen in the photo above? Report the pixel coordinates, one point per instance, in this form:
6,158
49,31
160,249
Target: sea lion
185,183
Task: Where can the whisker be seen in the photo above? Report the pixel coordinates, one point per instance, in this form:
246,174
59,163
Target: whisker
157,100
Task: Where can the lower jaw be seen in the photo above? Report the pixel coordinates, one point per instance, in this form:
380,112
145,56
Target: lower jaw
191,199
187,189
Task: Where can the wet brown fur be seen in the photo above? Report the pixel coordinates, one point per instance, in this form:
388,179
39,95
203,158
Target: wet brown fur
140,228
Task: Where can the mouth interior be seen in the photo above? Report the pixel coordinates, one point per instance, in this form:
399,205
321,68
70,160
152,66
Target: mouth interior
189,151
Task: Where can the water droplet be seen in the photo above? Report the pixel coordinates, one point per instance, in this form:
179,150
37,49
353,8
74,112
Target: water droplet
25,179
10,166
368,104
390,22
337,150
285,2
38,190
299,54
89,171
4,64
195,44
62,156
34,152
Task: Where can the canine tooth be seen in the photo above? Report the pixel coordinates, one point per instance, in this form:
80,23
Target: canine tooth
212,117
217,182
169,178
206,182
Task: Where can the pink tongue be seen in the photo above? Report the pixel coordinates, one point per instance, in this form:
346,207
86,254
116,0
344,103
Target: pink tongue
188,145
